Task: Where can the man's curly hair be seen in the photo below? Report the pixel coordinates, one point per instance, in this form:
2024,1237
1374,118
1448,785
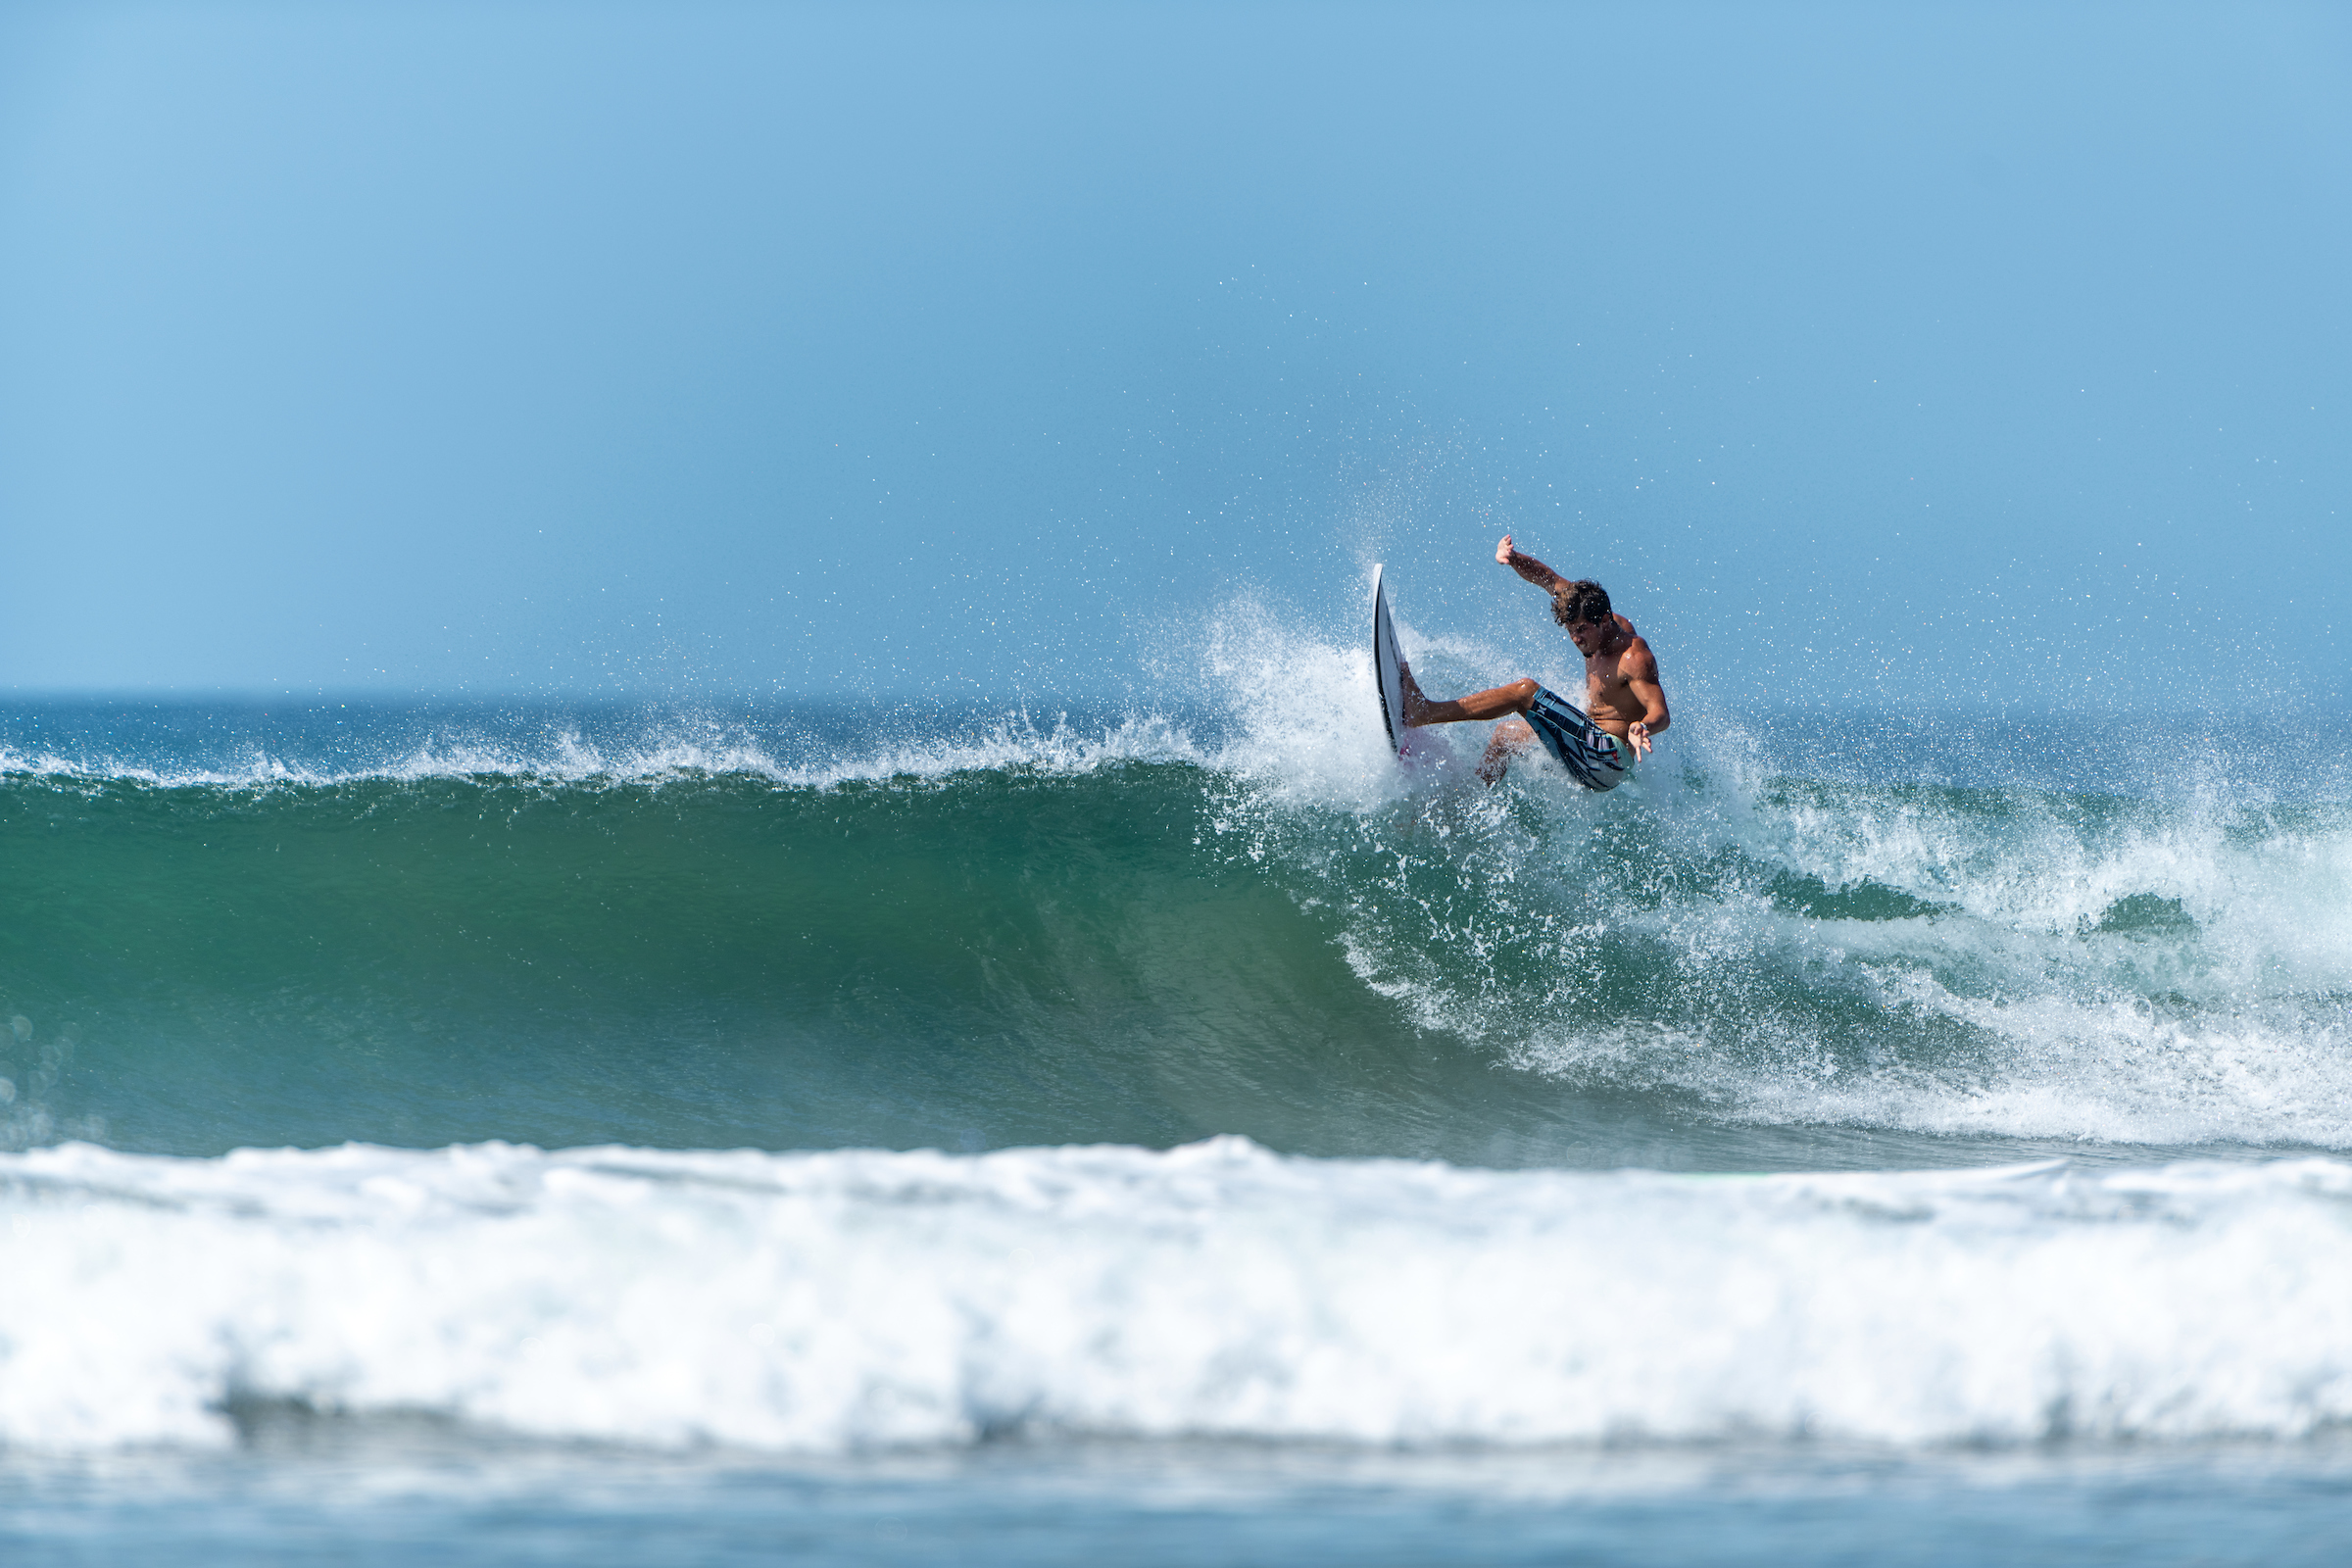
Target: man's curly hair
1573,601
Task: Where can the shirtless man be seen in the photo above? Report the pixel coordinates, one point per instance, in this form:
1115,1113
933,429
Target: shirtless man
1624,704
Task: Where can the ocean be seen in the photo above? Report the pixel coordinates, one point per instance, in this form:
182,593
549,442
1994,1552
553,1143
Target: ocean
652,1132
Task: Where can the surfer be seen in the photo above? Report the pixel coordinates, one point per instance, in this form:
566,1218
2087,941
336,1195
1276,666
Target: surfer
1624,704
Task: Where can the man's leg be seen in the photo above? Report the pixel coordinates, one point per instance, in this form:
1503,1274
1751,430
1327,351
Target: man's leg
1512,738
1499,703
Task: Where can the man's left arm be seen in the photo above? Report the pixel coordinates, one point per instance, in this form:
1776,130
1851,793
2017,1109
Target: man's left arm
1640,668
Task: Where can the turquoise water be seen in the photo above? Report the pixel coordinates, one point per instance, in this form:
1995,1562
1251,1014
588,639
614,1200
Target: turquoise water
1165,1507
757,1127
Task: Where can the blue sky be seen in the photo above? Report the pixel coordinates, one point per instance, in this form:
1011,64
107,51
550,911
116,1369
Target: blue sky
1918,353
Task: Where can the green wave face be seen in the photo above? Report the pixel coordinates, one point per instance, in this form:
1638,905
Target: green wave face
709,961
1692,973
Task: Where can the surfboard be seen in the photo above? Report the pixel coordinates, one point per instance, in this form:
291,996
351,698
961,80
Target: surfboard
1387,665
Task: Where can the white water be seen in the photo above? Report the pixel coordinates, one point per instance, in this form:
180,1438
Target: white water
2223,1021
835,1301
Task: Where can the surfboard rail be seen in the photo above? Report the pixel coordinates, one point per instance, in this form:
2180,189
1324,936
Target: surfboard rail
1388,663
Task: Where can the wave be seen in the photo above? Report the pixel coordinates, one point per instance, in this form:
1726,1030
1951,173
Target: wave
847,1301
1148,928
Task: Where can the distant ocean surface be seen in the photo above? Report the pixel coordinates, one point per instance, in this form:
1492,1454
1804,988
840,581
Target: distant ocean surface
1166,1133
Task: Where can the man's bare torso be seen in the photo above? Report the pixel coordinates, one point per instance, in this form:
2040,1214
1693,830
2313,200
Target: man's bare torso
1609,696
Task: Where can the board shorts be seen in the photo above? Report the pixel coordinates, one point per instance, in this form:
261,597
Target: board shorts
1593,757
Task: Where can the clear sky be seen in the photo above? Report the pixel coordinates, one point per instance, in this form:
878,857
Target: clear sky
1907,351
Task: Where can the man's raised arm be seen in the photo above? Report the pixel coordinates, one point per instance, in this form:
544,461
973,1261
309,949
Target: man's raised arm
1528,566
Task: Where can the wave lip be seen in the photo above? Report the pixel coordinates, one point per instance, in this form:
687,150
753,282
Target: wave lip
565,753
837,1302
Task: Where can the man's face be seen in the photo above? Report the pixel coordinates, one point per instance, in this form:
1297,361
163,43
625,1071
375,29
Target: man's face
1589,635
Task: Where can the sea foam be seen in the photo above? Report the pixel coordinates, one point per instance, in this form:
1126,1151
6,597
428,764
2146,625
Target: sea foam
839,1301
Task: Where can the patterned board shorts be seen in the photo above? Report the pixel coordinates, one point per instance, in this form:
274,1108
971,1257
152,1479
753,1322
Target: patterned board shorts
1593,757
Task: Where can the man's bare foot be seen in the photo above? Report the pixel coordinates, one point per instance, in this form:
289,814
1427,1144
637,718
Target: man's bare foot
1415,704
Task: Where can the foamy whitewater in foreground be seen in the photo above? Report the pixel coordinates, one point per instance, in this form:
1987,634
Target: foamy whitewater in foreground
840,1302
